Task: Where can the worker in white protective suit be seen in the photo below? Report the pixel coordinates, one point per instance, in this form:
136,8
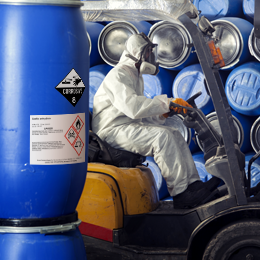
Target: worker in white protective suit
127,120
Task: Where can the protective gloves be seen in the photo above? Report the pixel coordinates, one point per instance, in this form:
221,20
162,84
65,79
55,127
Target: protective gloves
177,110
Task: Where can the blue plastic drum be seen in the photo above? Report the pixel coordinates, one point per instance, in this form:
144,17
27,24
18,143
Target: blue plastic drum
96,76
111,42
159,180
94,29
159,84
25,243
243,89
190,81
175,50
44,64
232,35
249,10
215,9
255,169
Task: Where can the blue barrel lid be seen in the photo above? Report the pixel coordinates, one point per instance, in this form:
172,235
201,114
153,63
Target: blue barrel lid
249,9
174,44
243,89
96,76
190,81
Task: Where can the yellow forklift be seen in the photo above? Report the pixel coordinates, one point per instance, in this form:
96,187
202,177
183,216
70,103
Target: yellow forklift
122,217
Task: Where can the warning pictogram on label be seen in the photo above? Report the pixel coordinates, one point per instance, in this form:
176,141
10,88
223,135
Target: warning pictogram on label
72,135
78,124
71,87
78,145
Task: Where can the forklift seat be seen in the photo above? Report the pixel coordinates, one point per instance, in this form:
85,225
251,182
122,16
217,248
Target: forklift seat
101,151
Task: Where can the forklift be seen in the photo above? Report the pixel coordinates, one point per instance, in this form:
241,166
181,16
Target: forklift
122,216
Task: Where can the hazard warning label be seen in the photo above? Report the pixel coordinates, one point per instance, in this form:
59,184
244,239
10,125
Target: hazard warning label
57,139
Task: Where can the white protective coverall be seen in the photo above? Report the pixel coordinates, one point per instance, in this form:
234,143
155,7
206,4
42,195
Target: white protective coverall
127,120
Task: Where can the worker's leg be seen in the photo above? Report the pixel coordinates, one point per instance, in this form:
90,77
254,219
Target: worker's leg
166,145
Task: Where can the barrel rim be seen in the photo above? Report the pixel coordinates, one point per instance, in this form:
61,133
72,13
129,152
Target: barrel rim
253,131
42,230
39,222
238,53
43,2
103,34
237,124
251,45
186,36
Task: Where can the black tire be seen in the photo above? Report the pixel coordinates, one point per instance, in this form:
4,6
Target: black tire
239,240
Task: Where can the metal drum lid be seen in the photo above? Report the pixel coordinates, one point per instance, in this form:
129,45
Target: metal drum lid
174,43
111,42
213,119
255,135
254,45
176,121
229,40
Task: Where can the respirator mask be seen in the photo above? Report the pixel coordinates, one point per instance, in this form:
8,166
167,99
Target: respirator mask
147,63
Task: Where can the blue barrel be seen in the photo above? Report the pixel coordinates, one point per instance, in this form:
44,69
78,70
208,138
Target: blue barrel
175,50
243,88
190,81
159,84
159,180
200,166
111,42
29,244
93,30
249,10
254,45
242,125
215,9
96,76
42,170
232,35
255,169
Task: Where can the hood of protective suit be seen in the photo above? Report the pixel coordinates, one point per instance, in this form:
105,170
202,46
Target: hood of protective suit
134,46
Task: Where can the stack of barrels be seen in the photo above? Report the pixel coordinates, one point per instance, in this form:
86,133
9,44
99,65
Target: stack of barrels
43,51
181,74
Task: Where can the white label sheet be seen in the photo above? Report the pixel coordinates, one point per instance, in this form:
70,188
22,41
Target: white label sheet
57,139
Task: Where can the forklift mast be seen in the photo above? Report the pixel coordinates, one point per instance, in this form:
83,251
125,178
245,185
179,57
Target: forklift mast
187,14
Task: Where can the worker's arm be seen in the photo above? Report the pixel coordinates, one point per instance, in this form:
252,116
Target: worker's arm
122,94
